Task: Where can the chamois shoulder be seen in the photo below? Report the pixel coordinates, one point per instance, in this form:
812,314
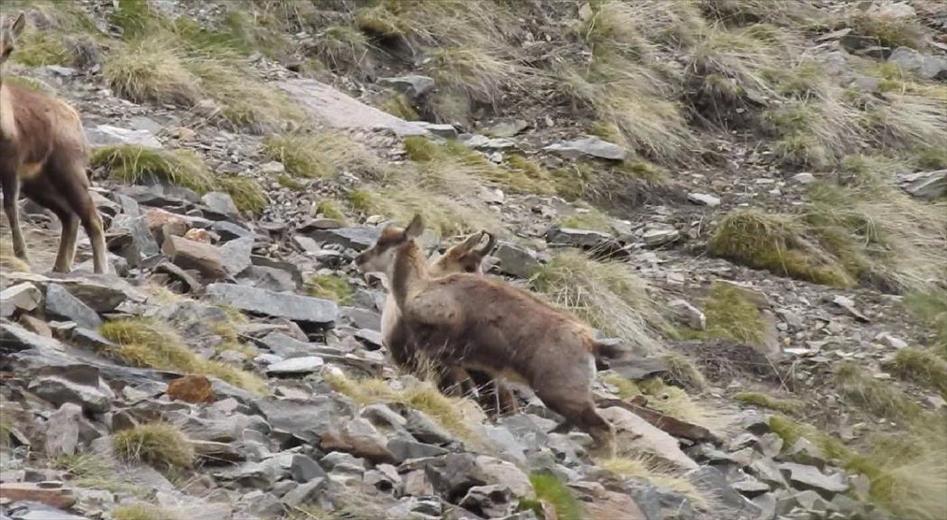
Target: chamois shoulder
44,122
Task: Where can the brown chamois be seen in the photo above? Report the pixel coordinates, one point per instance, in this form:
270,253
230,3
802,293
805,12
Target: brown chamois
44,152
482,324
465,257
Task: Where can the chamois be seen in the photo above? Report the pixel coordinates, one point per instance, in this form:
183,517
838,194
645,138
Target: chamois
466,256
486,325
44,152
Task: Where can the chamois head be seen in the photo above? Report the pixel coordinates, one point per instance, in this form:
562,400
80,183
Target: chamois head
381,256
9,32
465,257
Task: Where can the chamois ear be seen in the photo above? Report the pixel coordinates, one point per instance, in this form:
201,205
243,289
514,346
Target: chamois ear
18,25
415,228
471,242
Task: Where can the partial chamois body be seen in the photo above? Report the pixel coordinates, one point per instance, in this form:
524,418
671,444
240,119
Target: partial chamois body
410,357
481,324
43,154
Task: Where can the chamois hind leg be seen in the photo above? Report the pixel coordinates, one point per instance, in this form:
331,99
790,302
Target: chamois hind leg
10,186
46,196
574,403
74,186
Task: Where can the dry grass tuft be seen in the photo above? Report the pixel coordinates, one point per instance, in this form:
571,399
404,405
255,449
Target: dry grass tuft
553,493
778,244
157,444
880,398
141,511
150,70
144,343
247,194
730,314
323,155
344,49
607,295
451,413
779,404
922,367
930,307
135,164
8,261
93,472
330,287
677,403
647,469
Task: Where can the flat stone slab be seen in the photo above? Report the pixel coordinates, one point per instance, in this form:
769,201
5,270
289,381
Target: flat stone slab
270,303
339,110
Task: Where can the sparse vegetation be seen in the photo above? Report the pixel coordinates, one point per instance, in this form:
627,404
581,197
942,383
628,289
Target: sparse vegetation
247,194
922,367
141,511
550,490
730,314
448,412
652,471
607,295
931,308
875,396
399,105
93,472
328,209
331,287
591,218
145,343
789,406
135,164
151,71
778,244
158,444
675,402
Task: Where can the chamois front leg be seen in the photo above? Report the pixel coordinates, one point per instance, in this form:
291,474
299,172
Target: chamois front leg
10,186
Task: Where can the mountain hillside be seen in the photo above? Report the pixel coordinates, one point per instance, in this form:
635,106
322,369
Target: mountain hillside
748,198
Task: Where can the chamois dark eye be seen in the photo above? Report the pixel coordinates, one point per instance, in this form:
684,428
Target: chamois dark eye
470,269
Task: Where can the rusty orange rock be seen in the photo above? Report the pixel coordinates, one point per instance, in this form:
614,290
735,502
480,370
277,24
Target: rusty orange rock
192,389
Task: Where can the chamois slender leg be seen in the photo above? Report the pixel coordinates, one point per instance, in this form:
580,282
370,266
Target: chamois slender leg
67,242
578,409
10,185
74,185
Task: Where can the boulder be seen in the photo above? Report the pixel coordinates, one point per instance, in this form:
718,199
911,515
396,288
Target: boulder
633,432
809,477
190,254
589,146
515,260
926,66
24,297
78,384
61,304
412,85
925,185
293,307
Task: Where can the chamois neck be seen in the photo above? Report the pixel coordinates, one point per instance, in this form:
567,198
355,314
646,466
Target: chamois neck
408,270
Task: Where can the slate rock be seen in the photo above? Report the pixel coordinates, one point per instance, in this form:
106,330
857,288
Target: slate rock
360,438
634,432
809,477
589,146
581,238
236,255
515,260
80,384
62,430
229,231
24,296
61,304
357,238
304,419
926,66
220,205
191,254
296,366
412,85
293,307
925,185
405,449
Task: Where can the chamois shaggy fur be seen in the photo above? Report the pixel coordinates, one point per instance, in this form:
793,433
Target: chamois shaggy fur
481,324
465,257
43,152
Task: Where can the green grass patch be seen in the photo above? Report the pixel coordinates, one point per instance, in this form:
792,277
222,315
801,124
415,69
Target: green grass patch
877,397
923,367
779,404
91,471
144,343
607,295
247,194
134,164
447,411
777,243
299,154
290,182
149,70
141,511
399,105
931,308
555,494
329,209
732,315
591,218
330,287
660,475
160,445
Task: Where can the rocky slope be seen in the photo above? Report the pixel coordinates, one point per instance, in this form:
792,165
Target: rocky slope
231,366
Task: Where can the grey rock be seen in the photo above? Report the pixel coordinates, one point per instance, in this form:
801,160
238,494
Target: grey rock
767,471
61,304
581,238
140,243
230,231
358,238
304,419
235,255
804,451
925,185
293,307
102,292
657,235
704,199
424,429
304,469
221,205
927,66
370,338
848,305
590,146
339,110
891,341
641,435
404,449
261,475
688,314
808,500
362,318
304,493
809,477
24,296
515,260
412,85
454,474
447,131
105,135
750,487
713,482
358,437
296,366
62,430
507,128
492,501
39,511
268,278
767,506
803,178
262,504
286,346
481,142
770,444
79,384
